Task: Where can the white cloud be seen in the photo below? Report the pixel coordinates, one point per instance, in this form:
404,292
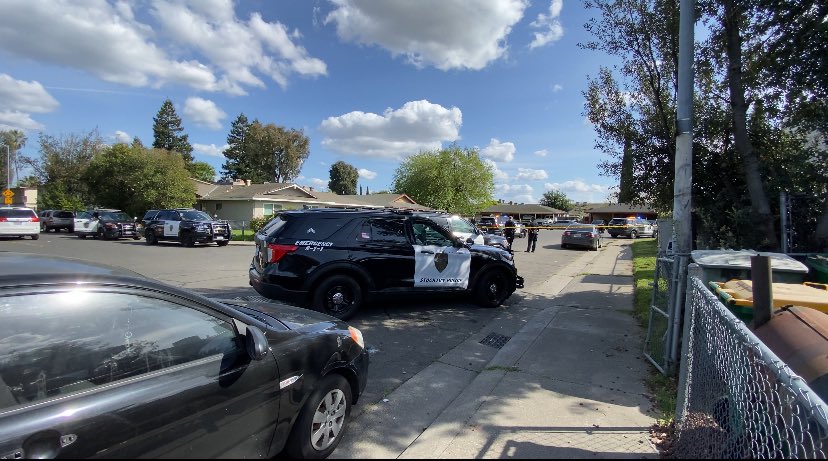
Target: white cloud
532,175
204,112
518,193
122,137
499,175
15,120
319,184
416,126
367,174
195,43
557,87
19,99
446,34
210,149
542,153
550,26
581,191
500,151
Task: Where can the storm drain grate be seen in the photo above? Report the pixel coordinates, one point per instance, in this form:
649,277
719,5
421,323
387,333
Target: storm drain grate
495,340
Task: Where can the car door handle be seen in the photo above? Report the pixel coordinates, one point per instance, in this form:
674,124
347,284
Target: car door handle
428,252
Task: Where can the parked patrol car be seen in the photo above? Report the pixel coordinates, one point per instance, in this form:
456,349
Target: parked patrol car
334,259
630,227
188,227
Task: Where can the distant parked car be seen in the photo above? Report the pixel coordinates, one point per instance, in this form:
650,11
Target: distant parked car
600,224
106,224
630,227
490,225
582,235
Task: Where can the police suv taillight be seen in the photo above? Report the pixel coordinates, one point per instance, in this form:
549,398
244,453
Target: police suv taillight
276,252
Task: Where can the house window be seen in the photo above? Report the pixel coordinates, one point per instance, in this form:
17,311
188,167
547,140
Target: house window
271,208
218,206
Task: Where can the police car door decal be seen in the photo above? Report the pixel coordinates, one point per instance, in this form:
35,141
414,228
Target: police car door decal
443,267
171,228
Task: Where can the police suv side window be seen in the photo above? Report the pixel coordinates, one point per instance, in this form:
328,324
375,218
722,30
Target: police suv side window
388,231
427,233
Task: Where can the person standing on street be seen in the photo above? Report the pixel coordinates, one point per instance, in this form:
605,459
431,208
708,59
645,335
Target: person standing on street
509,232
532,239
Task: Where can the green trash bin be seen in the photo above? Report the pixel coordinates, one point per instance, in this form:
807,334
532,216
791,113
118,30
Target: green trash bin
819,267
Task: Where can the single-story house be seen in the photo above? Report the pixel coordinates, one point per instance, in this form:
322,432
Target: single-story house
242,201
620,210
522,211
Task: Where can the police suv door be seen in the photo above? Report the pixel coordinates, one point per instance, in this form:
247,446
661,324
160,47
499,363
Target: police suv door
172,223
438,263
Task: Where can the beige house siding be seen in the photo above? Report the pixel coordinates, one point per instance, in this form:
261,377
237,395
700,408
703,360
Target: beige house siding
231,210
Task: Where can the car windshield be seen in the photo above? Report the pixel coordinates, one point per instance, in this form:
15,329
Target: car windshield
459,224
619,221
195,215
487,220
114,216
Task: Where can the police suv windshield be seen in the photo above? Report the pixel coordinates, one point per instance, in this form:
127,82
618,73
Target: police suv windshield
195,215
114,216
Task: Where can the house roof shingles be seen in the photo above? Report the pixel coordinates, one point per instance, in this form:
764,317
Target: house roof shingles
528,208
620,208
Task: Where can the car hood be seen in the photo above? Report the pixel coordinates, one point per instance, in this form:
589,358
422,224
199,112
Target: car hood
490,251
294,318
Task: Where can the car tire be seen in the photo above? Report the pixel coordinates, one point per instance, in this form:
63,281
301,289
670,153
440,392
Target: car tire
339,296
187,240
35,236
329,405
101,234
223,244
492,288
563,245
594,246
633,235
150,237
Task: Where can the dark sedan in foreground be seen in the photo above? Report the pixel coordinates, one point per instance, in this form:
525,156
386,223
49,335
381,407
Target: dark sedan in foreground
97,361
582,235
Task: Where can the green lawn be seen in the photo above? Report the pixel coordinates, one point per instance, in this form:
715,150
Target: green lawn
663,388
248,235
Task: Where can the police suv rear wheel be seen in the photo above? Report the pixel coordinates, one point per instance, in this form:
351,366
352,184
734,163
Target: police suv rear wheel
339,296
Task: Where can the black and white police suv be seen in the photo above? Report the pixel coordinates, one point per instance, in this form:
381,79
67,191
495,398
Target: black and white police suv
186,226
333,260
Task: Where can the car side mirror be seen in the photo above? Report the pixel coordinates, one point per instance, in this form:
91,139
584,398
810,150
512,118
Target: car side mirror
256,343
470,240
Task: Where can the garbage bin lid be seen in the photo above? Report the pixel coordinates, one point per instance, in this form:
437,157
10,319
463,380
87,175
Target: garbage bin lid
740,259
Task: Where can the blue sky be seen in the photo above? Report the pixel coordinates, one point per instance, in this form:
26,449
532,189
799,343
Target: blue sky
369,81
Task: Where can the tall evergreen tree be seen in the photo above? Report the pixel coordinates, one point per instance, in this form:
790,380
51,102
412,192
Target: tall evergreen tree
238,152
344,177
169,134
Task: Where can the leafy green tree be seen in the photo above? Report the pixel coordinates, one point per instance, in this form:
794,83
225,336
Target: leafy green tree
202,171
60,168
344,177
556,199
168,132
277,152
29,181
238,153
453,179
14,140
134,179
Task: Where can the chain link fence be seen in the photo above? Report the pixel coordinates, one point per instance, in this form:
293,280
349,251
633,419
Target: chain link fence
737,399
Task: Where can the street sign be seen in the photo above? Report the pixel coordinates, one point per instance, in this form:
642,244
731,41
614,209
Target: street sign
7,200
8,194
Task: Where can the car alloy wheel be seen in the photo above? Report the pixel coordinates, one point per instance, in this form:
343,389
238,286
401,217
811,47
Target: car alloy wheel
188,240
633,235
323,420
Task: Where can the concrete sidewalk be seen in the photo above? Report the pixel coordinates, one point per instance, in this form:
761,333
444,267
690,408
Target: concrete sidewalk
569,382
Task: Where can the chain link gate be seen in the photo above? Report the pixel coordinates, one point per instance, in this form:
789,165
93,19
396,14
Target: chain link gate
657,342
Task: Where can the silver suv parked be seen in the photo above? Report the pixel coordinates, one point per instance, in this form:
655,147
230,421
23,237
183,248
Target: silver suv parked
57,220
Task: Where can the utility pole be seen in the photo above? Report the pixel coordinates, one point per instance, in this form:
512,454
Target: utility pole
683,185
8,167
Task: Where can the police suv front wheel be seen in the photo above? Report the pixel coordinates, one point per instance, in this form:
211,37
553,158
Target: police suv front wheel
339,296
492,289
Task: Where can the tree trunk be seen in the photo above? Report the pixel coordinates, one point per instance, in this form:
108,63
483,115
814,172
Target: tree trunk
625,189
764,226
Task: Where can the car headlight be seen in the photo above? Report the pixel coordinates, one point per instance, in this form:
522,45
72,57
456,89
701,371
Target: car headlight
356,335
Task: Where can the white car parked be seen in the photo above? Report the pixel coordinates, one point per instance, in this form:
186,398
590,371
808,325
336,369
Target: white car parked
85,224
19,222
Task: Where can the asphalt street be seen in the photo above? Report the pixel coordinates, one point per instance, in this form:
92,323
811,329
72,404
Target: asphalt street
403,336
